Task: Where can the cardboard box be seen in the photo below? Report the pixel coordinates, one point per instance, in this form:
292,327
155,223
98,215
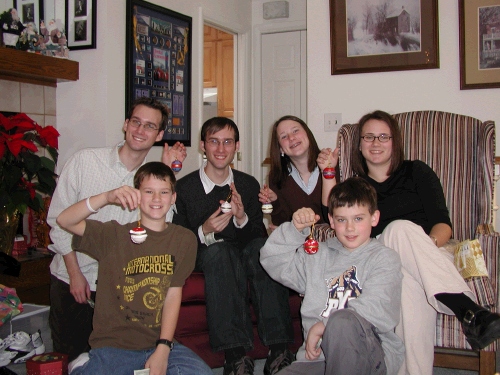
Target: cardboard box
47,364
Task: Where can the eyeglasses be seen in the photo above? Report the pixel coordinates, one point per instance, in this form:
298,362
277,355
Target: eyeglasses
212,142
381,138
149,127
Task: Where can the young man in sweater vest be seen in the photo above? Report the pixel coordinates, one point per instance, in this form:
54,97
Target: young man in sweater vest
228,254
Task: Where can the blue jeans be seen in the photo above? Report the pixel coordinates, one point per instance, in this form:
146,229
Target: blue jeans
228,272
105,361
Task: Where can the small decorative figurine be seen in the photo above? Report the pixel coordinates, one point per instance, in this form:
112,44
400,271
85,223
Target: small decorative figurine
329,172
138,235
311,246
53,41
226,206
176,165
12,27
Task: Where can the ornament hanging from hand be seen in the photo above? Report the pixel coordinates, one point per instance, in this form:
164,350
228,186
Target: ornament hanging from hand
176,165
329,172
138,234
226,206
311,246
267,208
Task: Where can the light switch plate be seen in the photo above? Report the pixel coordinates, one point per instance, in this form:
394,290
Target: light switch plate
333,122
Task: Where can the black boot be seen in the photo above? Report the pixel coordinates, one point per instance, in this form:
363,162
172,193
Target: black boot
481,327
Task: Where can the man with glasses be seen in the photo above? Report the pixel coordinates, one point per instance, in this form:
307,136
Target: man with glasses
89,172
228,254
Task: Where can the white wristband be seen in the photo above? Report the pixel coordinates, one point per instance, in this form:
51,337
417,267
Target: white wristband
90,207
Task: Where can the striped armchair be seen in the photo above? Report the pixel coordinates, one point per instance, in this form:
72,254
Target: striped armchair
460,149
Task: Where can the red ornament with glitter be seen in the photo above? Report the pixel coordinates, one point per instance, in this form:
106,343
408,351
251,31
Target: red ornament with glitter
329,172
311,246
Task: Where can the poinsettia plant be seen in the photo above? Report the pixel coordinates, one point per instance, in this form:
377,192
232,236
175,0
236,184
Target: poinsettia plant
25,174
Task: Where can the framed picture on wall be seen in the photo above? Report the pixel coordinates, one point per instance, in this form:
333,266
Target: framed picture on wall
30,11
81,24
380,36
479,44
158,64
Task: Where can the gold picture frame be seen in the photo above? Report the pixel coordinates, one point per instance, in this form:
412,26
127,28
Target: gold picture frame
479,23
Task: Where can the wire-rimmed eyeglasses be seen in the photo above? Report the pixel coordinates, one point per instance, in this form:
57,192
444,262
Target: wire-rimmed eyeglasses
381,138
212,142
148,126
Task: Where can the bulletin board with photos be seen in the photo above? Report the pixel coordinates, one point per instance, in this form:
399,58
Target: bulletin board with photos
158,64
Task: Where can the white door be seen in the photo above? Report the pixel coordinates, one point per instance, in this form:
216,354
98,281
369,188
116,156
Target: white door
283,82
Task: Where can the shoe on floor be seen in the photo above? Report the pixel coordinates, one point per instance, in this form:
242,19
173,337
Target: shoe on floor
481,328
24,345
278,361
242,366
6,357
78,361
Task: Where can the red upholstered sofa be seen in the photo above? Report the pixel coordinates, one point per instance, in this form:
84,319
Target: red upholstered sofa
192,328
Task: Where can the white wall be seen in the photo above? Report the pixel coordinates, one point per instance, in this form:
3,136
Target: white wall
353,95
91,111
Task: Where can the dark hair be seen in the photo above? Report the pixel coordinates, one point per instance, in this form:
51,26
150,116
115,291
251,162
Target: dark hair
281,165
213,125
359,165
154,104
354,190
157,169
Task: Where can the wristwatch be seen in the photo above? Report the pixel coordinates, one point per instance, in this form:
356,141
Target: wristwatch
169,343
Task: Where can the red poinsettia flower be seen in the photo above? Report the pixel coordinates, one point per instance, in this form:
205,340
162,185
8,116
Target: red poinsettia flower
5,122
29,186
48,135
15,143
22,170
21,122
3,141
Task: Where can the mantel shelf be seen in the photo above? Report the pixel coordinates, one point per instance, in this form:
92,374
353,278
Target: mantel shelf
29,67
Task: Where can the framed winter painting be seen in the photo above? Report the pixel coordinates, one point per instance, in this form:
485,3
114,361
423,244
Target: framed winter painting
479,22
383,35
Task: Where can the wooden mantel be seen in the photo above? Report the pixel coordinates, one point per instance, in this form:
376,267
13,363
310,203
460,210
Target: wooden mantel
29,67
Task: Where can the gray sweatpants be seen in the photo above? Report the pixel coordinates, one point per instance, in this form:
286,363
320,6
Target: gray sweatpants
350,346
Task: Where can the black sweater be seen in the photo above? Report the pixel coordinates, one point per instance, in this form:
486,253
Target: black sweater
194,207
413,193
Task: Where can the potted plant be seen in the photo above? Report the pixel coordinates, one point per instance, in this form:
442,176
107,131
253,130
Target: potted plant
25,174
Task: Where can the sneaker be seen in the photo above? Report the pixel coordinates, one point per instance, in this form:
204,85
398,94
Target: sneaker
78,362
243,366
6,357
278,361
25,345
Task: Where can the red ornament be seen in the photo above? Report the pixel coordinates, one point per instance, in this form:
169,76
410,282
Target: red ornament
176,165
311,246
329,173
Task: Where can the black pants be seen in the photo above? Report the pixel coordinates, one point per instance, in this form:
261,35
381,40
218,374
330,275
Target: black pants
228,270
70,322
